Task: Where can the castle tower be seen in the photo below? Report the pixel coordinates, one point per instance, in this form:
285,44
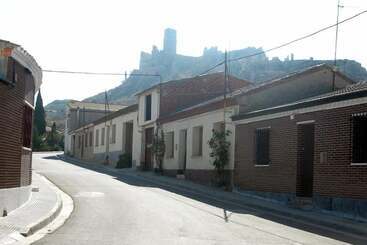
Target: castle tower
169,44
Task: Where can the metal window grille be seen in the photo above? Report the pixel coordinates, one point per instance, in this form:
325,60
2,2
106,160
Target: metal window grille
359,138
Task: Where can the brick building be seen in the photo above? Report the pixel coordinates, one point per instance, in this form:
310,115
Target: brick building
188,129
20,78
312,150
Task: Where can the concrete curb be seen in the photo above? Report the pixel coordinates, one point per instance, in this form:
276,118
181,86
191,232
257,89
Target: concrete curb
332,223
48,218
301,218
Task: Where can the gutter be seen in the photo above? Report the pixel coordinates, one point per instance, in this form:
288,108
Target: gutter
7,82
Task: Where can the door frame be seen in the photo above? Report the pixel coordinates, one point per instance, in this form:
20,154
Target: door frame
305,158
148,165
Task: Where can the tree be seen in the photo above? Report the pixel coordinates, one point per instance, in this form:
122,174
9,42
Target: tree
53,136
159,148
220,153
39,115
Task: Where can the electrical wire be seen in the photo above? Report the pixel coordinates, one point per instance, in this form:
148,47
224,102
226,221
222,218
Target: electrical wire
222,62
300,38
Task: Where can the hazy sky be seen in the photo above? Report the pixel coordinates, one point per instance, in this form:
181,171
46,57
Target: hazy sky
108,35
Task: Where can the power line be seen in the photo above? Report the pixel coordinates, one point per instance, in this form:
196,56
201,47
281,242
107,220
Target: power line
219,64
102,73
287,43
300,38
212,68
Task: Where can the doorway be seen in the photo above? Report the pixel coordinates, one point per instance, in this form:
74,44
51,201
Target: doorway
305,159
182,153
148,148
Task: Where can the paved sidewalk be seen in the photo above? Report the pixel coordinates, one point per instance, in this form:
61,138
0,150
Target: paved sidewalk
315,218
42,207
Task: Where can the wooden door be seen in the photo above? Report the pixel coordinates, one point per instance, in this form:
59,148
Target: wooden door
305,160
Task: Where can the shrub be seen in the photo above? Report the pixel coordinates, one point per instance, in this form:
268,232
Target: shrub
220,153
125,161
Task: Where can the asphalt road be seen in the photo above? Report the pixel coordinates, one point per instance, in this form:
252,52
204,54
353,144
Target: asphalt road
128,210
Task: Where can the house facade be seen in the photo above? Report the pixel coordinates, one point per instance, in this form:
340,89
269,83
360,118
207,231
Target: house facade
164,100
20,78
104,140
79,114
312,149
117,134
187,131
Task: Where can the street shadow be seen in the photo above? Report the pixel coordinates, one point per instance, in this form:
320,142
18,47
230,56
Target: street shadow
229,208
51,158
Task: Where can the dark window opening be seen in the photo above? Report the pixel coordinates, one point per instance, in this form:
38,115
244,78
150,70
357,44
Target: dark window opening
27,126
91,138
86,140
148,107
262,146
359,139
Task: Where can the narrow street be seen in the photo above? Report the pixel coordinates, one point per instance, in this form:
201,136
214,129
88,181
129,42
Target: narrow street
126,210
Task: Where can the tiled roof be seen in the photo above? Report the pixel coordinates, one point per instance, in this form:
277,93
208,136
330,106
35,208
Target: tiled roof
118,113
25,59
189,79
290,76
74,104
356,90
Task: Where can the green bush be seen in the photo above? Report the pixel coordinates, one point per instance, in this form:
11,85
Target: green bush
124,161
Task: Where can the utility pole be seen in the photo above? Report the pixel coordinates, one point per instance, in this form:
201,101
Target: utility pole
336,43
225,88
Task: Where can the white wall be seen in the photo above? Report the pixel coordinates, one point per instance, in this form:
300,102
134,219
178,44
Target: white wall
155,106
206,120
12,198
118,147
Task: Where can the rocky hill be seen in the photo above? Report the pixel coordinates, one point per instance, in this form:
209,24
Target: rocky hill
171,65
175,66
55,112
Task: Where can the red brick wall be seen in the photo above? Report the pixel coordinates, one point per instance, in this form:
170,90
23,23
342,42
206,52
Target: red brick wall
11,127
191,91
335,178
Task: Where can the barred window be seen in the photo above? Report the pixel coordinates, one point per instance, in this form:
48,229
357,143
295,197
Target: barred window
359,138
262,146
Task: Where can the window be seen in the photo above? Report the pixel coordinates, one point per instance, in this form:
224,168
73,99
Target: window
27,126
79,141
113,138
197,141
262,146
86,140
169,140
97,137
91,138
103,136
359,138
148,107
